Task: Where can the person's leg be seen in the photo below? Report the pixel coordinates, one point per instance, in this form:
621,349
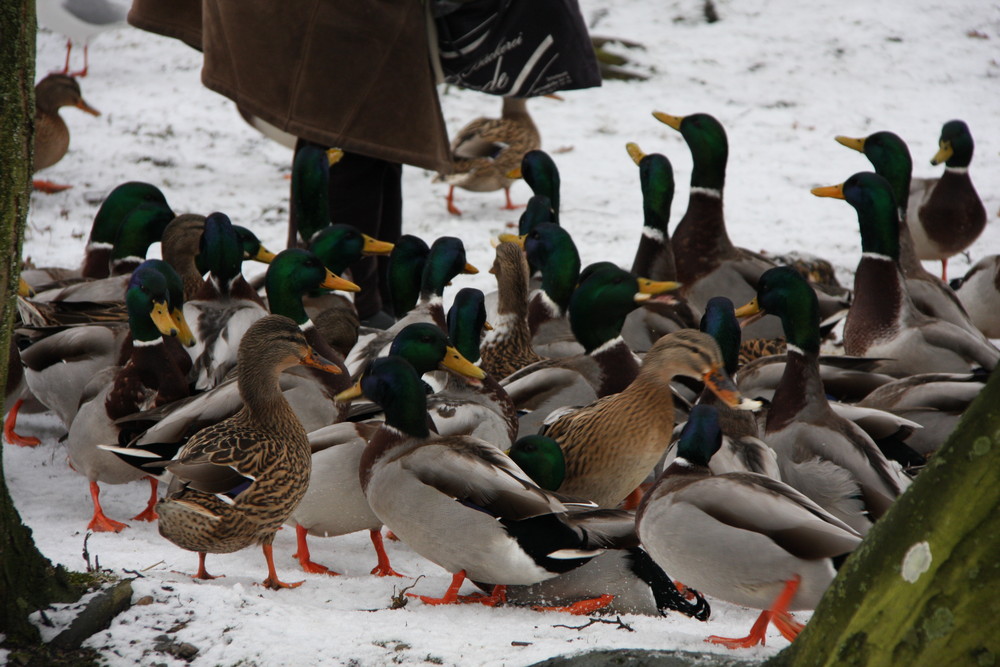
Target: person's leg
365,192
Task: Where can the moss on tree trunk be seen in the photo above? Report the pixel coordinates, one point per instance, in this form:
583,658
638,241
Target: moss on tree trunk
924,586
27,579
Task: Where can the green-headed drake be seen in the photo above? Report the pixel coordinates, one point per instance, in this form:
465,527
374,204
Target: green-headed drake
463,504
882,321
540,172
890,156
827,457
742,537
708,264
151,374
334,504
551,250
444,261
224,307
309,209
948,215
654,257
142,226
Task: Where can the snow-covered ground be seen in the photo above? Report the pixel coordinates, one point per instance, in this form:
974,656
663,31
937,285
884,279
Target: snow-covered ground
784,77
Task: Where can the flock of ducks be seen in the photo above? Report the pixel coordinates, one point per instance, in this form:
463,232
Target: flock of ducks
584,438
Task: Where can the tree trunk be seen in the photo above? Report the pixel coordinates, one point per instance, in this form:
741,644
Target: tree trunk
27,579
924,586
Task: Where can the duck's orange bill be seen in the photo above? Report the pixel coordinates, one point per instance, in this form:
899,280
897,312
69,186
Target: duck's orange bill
316,361
654,287
944,153
513,238
722,386
83,106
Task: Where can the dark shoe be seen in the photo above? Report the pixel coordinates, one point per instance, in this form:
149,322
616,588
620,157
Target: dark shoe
380,320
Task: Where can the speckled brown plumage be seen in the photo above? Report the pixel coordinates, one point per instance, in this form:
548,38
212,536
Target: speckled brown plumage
507,348
755,348
260,457
487,149
610,446
180,246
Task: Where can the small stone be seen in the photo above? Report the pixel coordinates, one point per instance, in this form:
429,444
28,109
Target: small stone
144,600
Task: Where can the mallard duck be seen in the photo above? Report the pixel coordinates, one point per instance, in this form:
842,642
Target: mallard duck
936,401
540,172
485,151
103,232
141,227
311,393
507,346
309,209
890,156
334,503
153,372
638,584
741,537
979,292
708,264
597,311
224,307
654,257
949,215
236,482
638,420
551,250
463,504
60,361
480,408
882,321
340,246
80,21
403,274
51,133
825,456
16,390
445,260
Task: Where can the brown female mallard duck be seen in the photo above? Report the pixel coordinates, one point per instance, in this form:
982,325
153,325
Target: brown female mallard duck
237,481
507,347
611,445
51,133
485,151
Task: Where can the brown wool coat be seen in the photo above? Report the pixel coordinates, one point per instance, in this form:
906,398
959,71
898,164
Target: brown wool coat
354,75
